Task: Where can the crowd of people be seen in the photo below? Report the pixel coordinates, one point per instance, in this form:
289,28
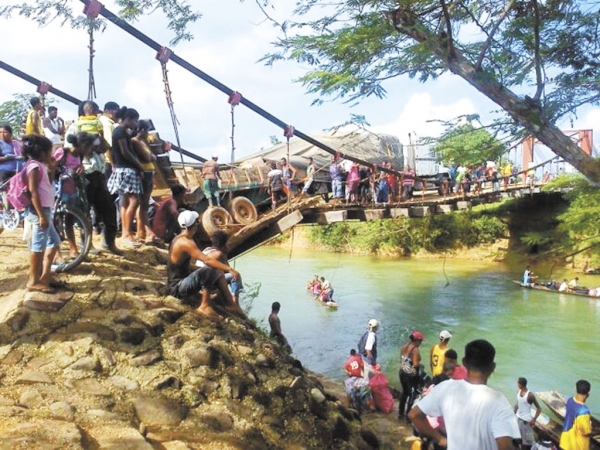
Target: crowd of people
453,407
104,164
351,183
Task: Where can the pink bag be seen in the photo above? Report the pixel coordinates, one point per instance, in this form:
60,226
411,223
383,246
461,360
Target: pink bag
18,190
380,389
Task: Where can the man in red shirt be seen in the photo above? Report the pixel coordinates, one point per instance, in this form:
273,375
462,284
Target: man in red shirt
354,365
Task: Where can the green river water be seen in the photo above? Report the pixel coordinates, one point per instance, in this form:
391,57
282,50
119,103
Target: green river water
552,340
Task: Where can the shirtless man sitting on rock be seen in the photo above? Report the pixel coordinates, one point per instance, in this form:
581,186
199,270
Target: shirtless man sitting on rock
183,282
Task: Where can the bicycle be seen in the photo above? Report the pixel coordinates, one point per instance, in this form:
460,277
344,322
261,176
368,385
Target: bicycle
70,222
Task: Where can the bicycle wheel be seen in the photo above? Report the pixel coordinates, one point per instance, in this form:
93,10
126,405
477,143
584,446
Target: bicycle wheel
75,231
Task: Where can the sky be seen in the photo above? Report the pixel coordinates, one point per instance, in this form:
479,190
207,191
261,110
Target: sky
230,38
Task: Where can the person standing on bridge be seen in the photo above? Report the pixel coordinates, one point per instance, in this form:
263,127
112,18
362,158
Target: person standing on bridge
210,175
335,172
408,182
310,176
288,173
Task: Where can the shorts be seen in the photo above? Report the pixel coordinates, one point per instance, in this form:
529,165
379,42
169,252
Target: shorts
235,286
211,188
147,182
204,277
527,436
42,239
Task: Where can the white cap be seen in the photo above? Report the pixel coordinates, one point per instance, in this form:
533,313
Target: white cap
215,156
373,323
187,218
445,334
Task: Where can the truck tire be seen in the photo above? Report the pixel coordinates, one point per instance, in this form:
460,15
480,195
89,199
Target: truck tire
215,218
243,211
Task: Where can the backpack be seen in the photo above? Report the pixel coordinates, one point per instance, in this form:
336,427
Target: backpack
18,190
362,343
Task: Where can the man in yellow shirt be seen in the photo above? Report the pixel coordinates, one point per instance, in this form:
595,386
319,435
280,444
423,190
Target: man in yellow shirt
33,123
577,426
438,351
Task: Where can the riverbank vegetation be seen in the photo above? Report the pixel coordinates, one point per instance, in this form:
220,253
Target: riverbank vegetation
405,236
527,227
554,226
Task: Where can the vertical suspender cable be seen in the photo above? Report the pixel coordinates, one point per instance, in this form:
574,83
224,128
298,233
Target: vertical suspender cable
91,82
288,132
234,99
163,55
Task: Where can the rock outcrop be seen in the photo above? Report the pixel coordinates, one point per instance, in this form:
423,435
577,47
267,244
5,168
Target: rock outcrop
120,365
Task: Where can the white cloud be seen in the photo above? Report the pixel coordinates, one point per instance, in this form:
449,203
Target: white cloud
419,111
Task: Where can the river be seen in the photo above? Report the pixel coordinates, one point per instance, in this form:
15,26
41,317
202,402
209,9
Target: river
552,340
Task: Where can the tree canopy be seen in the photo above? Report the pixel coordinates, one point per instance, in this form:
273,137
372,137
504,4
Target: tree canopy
467,145
12,112
179,13
538,60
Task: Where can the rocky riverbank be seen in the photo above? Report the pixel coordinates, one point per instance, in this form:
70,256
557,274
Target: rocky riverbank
116,364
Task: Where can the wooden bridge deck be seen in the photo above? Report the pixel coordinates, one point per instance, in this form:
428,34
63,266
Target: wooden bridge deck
315,210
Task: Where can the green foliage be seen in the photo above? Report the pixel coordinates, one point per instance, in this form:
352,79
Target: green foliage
12,112
582,217
179,13
537,60
354,46
405,235
536,239
248,295
468,145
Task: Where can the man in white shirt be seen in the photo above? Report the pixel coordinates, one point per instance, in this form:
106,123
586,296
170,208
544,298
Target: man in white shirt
564,287
476,416
54,126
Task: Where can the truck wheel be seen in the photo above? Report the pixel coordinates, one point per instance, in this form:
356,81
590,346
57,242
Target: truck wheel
214,219
243,211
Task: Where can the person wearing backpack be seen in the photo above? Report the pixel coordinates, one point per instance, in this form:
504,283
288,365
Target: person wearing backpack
367,348
45,242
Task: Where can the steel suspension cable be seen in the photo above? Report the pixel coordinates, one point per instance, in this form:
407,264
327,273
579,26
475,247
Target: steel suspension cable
101,10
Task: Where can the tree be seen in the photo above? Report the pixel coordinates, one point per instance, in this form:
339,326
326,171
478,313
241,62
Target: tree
468,145
580,220
178,12
12,112
538,60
